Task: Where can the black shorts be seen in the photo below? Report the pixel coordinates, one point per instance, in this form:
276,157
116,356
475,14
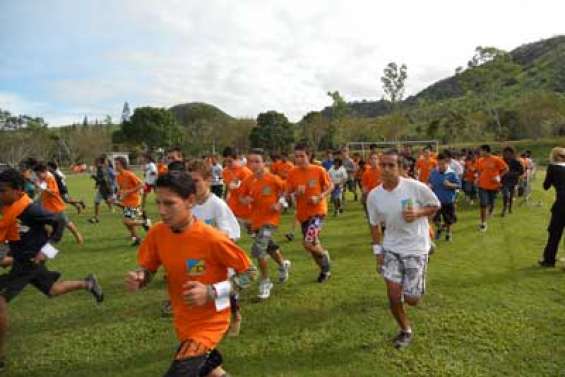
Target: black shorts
197,366
447,212
22,274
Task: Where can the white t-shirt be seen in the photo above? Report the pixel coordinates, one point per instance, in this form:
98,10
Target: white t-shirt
457,167
215,212
338,176
217,175
386,207
150,174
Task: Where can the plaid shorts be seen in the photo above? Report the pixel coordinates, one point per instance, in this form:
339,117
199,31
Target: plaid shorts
132,213
407,270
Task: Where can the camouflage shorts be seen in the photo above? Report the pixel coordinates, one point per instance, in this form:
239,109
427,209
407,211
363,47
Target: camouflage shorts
132,213
407,270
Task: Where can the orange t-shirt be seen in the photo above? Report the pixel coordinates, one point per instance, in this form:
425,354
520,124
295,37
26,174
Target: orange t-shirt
470,171
371,178
265,192
313,180
52,200
127,180
162,169
282,168
9,230
199,253
235,177
425,166
489,169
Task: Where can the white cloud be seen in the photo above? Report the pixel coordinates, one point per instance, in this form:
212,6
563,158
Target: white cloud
251,56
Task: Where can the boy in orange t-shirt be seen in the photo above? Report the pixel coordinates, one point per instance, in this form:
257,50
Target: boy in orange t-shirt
196,258
425,165
129,188
234,174
263,192
311,185
490,170
51,198
371,177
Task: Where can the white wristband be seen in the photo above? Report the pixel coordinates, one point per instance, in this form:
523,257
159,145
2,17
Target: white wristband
223,290
377,249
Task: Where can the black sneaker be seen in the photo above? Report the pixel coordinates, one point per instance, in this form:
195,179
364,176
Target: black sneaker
545,264
94,288
324,276
93,220
402,340
289,236
135,242
449,237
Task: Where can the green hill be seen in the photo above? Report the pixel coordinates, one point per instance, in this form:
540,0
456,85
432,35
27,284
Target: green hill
194,112
542,68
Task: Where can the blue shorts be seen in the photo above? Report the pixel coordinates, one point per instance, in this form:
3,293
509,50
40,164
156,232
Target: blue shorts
487,197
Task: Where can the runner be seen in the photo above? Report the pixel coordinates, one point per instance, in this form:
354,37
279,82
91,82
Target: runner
371,177
490,169
311,185
510,180
128,197
51,199
469,177
234,174
105,179
263,192
404,206
217,184
150,175
63,188
196,258
350,167
339,177
24,228
215,212
444,182
425,164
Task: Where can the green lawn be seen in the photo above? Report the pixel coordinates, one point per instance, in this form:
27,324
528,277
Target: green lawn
489,310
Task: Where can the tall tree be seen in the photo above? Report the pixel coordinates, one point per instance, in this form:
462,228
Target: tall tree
274,132
151,126
393,80
126,113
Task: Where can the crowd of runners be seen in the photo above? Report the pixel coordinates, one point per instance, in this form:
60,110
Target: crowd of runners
207,205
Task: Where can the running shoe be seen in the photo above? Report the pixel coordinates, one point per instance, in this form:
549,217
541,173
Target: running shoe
265,289
283,271
324,276
289,236
402,340
135,241
449,236
483,227
93,220
94,288
167,308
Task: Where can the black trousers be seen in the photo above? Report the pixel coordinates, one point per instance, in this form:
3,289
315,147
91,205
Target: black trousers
555,230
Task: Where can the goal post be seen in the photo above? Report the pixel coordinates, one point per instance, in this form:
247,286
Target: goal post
364,147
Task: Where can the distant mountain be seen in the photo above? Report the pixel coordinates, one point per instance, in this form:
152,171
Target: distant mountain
194,112
543,67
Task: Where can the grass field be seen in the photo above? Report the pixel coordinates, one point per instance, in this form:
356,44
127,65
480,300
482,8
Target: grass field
489,310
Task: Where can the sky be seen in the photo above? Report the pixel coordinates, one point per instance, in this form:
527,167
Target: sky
64,59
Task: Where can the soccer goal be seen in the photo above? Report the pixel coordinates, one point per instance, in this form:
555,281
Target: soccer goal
364,148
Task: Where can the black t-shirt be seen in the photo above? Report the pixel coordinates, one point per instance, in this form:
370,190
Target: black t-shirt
555,177
33,234
515,171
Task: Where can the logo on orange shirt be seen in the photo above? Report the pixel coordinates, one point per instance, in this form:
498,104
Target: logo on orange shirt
267,191
312,182
195,267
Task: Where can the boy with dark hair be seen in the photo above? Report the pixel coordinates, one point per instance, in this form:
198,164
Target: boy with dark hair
51,198
444,183
23,227
105,178
195,257
311,185
128,196
490,169
63,188
510,180
234,174
262,192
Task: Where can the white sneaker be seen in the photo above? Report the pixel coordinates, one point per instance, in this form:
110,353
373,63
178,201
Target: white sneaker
265,289
283,271
483,227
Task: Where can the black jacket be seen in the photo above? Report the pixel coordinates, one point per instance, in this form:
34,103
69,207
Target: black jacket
555,177
33,234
